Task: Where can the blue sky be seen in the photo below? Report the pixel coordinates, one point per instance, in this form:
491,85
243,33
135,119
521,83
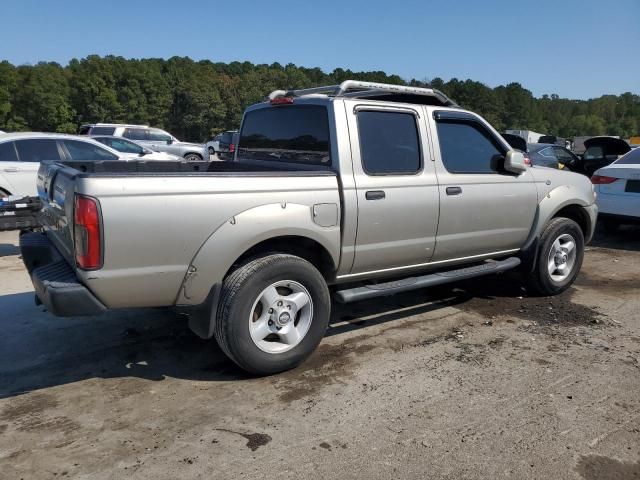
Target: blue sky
575,48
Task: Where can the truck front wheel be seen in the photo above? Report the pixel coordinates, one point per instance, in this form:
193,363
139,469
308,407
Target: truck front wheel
273,313
559,257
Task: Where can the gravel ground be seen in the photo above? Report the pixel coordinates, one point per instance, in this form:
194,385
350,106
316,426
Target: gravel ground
473,381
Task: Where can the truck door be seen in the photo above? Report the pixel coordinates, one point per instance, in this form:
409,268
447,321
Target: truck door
396,187
483,208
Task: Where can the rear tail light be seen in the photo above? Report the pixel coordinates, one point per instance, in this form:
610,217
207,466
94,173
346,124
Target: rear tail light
88,244
527,160
602,180
232,148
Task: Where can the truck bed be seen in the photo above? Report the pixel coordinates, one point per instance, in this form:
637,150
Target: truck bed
157,216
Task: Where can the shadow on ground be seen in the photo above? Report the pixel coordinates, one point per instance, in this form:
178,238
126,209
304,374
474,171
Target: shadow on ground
38,350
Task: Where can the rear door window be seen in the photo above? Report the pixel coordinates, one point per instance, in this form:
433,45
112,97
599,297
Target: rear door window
86,151
389,143
37,149
292,133
135,133
8,152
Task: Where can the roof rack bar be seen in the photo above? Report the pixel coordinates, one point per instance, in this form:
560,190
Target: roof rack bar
352,87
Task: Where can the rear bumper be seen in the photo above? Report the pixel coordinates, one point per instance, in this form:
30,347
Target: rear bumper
55,282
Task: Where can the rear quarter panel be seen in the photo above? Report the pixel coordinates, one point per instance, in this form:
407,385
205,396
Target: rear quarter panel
154,226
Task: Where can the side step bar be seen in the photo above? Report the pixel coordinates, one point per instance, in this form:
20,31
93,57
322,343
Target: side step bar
433,279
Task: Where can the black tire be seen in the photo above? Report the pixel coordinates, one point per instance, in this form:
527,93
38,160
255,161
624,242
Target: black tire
540,280
239,292
192,157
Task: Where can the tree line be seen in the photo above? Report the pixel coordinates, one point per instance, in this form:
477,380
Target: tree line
194,100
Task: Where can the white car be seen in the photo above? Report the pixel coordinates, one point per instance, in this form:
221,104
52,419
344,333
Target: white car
21,154
618,189
130,150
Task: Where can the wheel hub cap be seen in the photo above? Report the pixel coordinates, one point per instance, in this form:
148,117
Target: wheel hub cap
562,257
281,316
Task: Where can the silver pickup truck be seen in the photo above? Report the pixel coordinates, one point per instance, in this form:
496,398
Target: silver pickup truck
352,191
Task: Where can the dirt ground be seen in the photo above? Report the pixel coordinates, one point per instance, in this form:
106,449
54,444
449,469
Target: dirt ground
472,381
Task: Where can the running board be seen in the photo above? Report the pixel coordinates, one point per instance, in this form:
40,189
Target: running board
431,280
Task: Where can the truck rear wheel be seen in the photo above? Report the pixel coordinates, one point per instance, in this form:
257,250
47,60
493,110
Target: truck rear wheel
273,313
559,257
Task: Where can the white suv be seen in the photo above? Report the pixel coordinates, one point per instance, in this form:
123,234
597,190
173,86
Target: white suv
153,138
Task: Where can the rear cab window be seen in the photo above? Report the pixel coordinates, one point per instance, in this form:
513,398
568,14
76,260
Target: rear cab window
291,133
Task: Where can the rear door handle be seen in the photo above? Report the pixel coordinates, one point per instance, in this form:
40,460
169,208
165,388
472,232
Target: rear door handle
374,195
454,190
10,169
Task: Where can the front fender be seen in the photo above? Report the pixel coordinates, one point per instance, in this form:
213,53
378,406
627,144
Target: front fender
245,230
557,199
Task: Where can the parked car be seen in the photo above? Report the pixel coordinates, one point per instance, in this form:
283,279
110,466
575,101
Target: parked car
20,154
356,191
213,144
600,152
549,155
153,138
227,145
131,150
618,191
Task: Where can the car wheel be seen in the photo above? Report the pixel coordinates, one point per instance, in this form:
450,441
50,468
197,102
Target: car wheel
211,151
273,313
192,157
559,257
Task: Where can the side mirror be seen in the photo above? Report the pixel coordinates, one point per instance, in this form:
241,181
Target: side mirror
170,141
514,162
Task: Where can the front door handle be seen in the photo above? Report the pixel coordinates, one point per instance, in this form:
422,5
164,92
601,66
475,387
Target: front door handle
10,169
454,190
374,195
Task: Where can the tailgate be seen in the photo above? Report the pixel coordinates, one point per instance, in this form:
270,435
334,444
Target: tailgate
56,190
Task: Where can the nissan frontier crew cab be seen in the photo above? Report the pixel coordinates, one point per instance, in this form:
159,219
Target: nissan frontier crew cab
348,192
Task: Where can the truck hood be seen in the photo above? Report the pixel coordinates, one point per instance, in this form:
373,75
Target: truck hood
610,145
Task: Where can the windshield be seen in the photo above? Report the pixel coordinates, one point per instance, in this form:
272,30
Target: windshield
292,133
121,145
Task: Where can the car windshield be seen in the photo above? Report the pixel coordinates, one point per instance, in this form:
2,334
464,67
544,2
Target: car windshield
631,158
295,133
121,145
